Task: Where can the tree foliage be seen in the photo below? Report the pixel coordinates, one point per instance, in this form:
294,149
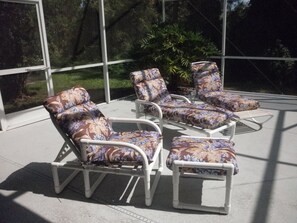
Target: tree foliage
171,48
265,28
19,46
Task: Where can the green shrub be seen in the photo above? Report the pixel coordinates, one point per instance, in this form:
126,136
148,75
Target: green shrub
171,49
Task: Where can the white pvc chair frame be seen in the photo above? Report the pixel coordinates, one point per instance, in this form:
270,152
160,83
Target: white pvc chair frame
208,132
177,164
80,165
252,115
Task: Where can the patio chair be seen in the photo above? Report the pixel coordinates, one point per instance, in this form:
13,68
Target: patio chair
206,159
208,85
89,135
155,101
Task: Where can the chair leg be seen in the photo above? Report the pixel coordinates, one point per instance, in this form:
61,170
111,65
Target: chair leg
90,189
233,130
147,188
228,191
59,187
150,189
175,183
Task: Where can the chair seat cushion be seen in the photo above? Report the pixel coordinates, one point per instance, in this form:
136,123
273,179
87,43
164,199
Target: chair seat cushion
202,150
229,101
108,155
202,115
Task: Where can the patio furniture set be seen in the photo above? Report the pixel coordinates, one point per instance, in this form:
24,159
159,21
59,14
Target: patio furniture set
91,137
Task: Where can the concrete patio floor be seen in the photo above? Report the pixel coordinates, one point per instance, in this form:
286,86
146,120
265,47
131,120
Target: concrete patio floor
264,191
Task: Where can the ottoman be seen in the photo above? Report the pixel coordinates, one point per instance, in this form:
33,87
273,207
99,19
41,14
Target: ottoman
204,158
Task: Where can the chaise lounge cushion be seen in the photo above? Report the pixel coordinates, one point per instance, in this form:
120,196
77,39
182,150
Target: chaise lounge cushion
202,115
208,86
202,150
229,101
80,118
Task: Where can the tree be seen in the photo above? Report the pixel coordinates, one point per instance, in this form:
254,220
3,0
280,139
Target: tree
263,28
20,46
171,48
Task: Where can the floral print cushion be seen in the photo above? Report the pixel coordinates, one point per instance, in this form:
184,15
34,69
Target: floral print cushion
145,75
150,86
206,77
202,150
202,115
108,155
66,99
229,101
84,121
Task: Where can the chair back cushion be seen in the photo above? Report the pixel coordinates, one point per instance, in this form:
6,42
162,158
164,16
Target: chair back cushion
66,99
206,77
150,86
77,116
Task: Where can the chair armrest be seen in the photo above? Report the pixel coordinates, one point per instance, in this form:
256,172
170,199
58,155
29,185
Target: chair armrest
139,102
176,96
135,121
85,142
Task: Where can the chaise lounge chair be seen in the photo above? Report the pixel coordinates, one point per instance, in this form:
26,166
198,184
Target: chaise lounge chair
208,85
89,135
155,101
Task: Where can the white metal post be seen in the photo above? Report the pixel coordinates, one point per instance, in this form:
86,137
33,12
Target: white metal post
104,50
44,47
163,11
224,11
3,122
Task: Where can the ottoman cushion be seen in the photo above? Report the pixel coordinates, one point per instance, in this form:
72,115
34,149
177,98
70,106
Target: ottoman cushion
202,150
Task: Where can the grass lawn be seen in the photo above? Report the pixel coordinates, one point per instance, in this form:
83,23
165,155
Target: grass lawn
91,79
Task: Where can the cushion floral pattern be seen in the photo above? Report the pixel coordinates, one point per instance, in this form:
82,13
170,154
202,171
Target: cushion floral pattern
229,101
108,155
206,77
202,115
80,119
208,86
202,150
150,86
66,99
